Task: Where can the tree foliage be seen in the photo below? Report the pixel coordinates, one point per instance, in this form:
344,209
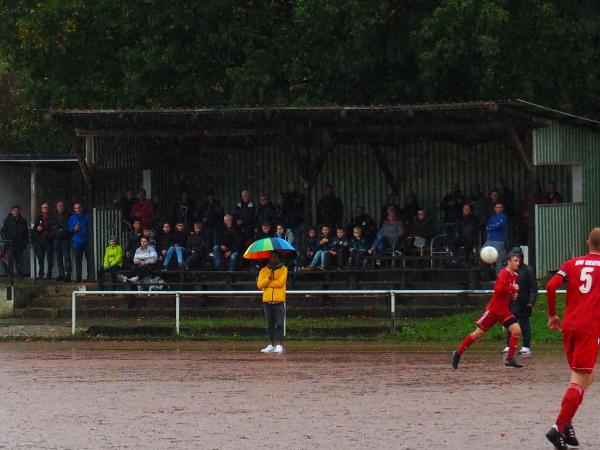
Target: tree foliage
177,53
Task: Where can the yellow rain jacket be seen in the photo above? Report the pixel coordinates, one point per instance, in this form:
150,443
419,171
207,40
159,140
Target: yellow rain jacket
273,289
113,256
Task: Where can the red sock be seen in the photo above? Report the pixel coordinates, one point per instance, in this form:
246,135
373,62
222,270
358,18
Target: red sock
512,346
465,344
570,402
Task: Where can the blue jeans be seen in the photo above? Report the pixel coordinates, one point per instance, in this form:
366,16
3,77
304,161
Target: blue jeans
219,259
180,251
320,255
62,250
381,244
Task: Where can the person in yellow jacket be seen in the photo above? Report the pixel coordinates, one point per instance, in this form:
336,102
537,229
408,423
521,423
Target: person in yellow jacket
113,262
272,280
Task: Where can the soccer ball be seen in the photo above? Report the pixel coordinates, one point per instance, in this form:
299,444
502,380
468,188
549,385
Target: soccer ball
489,255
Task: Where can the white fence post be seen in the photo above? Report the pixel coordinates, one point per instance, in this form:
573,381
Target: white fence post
73,314
393,311
177,313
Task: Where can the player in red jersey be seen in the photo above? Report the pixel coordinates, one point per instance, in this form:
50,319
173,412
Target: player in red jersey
497,311
580,330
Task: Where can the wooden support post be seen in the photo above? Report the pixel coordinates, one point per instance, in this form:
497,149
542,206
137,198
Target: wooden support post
85,170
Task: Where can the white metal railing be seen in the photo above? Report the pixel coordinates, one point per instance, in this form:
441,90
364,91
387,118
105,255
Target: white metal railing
356,292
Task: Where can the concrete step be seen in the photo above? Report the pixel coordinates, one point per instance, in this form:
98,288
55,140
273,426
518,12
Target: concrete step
38,313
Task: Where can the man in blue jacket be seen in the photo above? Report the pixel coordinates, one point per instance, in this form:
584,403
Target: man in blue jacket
79,230
497,233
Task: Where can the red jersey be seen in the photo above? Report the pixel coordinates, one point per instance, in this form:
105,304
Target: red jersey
582,308
504,290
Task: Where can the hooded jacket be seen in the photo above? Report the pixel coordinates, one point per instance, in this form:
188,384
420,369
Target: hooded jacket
113,256
273,289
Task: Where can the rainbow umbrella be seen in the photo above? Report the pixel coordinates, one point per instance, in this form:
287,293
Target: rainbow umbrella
263,248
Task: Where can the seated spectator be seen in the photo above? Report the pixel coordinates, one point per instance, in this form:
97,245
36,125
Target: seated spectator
133,240
266,212
358,248
143,263
340,248
149,234
366,224
330,210
552,195
177,247
227,245
197,246
466,232
391,202
391,230
211,212
410,208
308,247
143,210
164,241
292,208
323,248
185,209
421,231
284,233
451,206
113,262
125,204
497,234
265,231
245,217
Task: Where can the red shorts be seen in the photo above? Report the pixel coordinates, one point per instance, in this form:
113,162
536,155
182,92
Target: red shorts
581,349
489,319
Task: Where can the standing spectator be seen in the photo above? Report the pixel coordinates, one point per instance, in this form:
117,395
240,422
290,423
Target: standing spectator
125,204
525,302
185,209
330,210
197,246
245,216
323,248
365,222
164,241
292,208
113,262
78,228
410,208
227,245
451,205
265,231
133,240
497,233
15,231
478,202
42,239
358,248
507,197
177,247
308,247
391,202
143,210
340,248
493,198
466,231
62,242
265,210
272,280
552,195
211,212
391,230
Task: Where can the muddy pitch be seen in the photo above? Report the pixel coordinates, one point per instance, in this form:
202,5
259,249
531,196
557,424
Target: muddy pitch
198,395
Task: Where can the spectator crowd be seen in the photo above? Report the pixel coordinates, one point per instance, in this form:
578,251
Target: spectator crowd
199,235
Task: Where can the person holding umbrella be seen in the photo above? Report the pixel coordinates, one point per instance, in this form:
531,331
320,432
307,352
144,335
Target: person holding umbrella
272,281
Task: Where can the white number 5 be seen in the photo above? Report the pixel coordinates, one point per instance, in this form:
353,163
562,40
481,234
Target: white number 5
586,277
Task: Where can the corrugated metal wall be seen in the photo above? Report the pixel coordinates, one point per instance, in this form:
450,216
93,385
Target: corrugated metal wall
426,169
562,229
106,222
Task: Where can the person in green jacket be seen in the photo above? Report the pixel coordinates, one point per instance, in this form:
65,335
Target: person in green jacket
113,262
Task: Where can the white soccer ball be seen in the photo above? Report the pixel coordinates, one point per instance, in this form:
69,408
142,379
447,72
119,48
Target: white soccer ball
489,255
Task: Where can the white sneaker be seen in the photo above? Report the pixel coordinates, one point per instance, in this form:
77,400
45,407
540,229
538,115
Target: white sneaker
268,349
505,350
278,349
134,279
122,278
525,351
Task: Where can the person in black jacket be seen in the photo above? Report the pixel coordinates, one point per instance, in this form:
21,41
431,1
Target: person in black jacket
292,208
451,206
42,235
164,241
211,212
523,305
177,247
62,242
330,210
197,246
16,232
266,212
366,224
227,245
245,216
132,242
466,231
185,209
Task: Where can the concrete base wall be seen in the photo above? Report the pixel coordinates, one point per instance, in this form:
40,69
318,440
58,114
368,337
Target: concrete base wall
7,304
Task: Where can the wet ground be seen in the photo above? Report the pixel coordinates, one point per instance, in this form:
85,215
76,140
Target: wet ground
96,395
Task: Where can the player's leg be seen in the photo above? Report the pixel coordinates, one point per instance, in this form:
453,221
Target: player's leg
466,343
514,331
